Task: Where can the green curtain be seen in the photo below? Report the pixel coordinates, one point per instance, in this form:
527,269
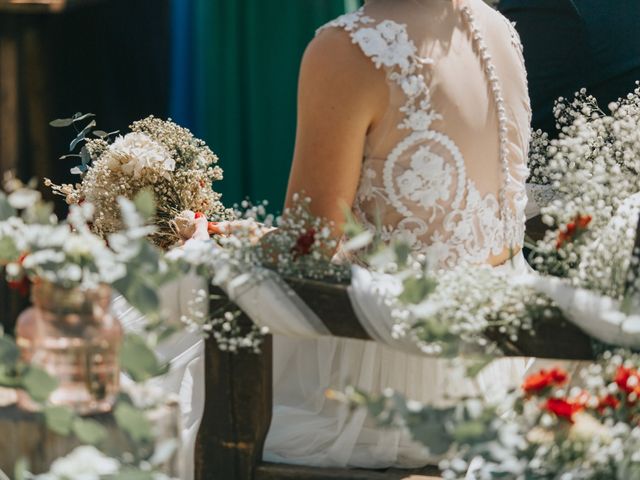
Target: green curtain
246,61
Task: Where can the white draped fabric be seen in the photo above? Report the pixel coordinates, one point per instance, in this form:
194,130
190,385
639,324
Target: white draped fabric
184,352
308,428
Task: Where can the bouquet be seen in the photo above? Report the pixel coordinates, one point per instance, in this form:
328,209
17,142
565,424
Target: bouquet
157,155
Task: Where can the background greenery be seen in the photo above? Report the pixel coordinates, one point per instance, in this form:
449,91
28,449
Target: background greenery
234,83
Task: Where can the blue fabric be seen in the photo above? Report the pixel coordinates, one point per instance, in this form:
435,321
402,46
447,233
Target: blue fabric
182,102
234,75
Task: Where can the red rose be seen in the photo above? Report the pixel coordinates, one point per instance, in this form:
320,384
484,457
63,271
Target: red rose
562,408
623,375
544,379
304,243
572,230
608,402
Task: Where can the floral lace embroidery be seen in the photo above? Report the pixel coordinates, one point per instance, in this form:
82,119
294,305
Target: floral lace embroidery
471,226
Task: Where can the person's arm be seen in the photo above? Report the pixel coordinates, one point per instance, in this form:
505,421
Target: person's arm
340,96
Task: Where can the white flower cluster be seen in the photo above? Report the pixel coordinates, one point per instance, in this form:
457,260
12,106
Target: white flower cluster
594,170
65,253
135,153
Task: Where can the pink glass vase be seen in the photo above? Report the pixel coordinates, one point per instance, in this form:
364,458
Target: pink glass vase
71,334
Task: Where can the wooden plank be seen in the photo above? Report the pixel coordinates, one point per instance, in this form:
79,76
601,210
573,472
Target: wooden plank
9,91
272,471
554,338
41,6
237,416
330,301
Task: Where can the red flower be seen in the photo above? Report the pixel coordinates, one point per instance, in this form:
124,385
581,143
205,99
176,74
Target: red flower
23,285
304,243
628,380
562,408
544,379
608,402
572,230
199,215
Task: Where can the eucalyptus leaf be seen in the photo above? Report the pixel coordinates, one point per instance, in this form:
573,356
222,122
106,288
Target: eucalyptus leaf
82,135
6,210
402,251
133,422
59,419
416,289
89,431
138,360
78,117
84,155
469,431
61,122
9,352
69,155
139,295
8,250
8,378
145,203
38,383
100,133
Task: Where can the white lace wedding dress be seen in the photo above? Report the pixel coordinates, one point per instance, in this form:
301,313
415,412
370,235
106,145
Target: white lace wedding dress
445,169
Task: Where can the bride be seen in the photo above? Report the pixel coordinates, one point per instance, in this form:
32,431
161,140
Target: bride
416,113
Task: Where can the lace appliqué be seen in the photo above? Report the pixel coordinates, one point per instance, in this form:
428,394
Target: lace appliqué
424,177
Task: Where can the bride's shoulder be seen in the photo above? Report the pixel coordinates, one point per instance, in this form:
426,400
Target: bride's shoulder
333,64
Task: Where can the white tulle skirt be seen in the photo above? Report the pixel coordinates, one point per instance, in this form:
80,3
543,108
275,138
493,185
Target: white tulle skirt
308,428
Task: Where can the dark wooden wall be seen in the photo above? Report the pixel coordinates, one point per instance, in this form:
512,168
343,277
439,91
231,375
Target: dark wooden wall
108,57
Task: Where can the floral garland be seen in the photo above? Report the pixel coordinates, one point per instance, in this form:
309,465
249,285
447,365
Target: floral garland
548,429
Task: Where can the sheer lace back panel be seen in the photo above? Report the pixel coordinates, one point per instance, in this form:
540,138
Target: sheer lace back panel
432,169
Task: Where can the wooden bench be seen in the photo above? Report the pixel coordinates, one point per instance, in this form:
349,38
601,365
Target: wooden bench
239,393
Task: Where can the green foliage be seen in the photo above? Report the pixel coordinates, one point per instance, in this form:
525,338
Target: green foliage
9,352
8,250
469,431
81,136
6,210
138,360
38,383
133,422
402,251
89,431
416,289
58,419
145,203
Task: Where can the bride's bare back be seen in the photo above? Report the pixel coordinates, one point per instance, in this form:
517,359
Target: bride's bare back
401,107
